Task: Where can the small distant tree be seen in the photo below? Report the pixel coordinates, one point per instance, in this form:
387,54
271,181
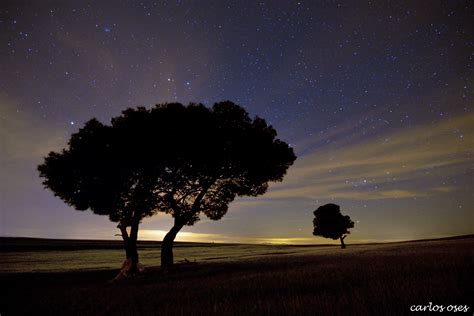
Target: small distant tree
330,223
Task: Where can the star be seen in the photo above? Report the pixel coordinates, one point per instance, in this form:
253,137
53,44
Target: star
353,125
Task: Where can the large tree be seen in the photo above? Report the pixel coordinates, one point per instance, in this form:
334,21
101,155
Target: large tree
174,159
330,223
210,157
94,173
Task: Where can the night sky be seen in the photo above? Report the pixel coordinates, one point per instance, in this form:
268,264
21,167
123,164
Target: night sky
375,98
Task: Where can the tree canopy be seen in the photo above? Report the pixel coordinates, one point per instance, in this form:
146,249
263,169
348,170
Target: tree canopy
330,223
94,174
181,160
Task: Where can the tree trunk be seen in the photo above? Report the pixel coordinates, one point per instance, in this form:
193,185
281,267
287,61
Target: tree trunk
343,245
167,245
125,238
179,222
132,245
131,264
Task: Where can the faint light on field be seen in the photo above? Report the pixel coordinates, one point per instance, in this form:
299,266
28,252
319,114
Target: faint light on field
283,241
151,234
158,235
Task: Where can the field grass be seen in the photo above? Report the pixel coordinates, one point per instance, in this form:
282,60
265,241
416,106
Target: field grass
384,279
45,255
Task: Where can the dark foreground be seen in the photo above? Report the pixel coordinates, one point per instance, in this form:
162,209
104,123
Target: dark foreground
370,280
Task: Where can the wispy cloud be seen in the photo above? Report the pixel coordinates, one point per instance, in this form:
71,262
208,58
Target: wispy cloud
19,139
24,140
384,167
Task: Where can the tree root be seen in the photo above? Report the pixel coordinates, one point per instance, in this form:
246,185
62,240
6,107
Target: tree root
129,270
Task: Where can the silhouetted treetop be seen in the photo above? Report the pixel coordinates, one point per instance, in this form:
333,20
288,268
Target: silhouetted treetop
330,223
181,160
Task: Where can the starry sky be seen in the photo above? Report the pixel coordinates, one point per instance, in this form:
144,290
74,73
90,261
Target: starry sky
375,98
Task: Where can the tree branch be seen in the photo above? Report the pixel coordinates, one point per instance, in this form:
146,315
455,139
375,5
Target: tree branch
172,202
197,201
123,230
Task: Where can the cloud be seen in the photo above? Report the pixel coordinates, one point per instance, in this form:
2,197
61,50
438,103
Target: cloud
23,142
21,135
445,189
386,167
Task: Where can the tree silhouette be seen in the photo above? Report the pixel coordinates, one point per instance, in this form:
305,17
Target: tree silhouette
210,157
330,223
180,160
94,173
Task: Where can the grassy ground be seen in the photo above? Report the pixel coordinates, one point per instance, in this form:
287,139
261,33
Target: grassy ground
49,255
362,280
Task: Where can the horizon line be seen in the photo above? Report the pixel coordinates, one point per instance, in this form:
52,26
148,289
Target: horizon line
335,243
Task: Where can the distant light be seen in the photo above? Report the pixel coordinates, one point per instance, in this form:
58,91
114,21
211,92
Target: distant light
72,122
107,29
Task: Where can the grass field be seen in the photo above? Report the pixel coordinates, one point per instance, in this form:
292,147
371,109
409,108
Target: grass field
43,255
383,279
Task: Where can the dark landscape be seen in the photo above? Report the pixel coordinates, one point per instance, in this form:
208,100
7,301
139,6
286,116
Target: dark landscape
246,157
369,279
